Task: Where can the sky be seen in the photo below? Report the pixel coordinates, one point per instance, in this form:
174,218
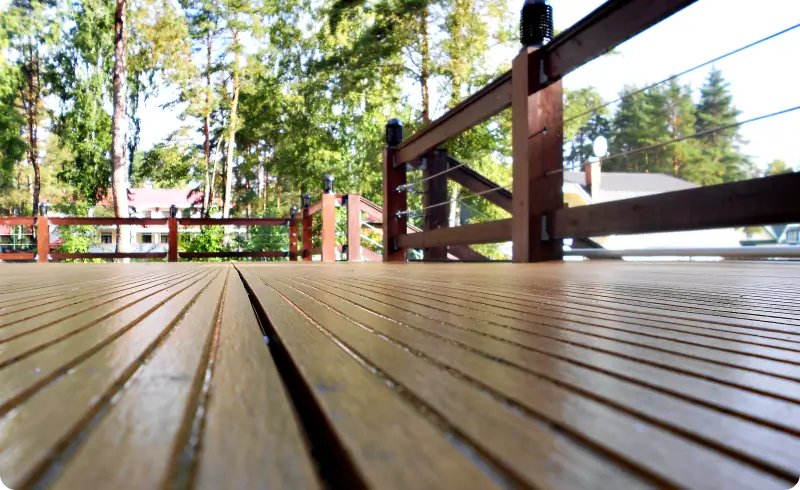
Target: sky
762,79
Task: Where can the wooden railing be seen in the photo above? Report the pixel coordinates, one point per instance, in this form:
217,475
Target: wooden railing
44,249
539,222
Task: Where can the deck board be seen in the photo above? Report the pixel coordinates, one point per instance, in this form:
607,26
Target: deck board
559,375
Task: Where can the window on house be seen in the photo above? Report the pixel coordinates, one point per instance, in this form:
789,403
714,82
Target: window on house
106,238
165,238
793,236
148,214
147,238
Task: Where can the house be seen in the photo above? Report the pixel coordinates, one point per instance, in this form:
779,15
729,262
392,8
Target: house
594,186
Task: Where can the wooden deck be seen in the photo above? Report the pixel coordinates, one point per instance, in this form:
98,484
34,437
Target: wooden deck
402,376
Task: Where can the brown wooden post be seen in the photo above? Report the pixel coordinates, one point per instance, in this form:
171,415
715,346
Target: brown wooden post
394,201
328,227
42,239
308,242
435,193
293,234
172,252
354,228
537,140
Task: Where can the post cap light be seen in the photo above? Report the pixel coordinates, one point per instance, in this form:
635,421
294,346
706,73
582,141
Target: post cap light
43,207
293,211
329,184
173,211
536,23
306,200
394,132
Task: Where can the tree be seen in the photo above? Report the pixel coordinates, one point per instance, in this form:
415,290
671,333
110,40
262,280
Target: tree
31,31
583,129
778,167
720,148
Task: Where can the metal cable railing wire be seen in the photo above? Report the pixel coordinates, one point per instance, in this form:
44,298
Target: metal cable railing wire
675,140
684,72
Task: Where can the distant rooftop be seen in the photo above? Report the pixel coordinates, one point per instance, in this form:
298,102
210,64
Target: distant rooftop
633,182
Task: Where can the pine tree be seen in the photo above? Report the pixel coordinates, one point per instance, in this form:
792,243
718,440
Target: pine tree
720,149
640,121
684,158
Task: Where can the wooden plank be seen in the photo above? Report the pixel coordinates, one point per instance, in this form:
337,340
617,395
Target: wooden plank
606,426
80,296
149,424
11,256
172,252
308,242
42,239
233,221
81,375
293,254
232,255
485,103
477,183
750,202
15,221
251,436
537,141
328,227
109,255
519,447
491,232
753,405
108,221
379,433
464,252
610,25
315,208
394,203
353,228
435,193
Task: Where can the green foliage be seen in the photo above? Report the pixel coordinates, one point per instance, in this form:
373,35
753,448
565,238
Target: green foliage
210,239
778,167
76,238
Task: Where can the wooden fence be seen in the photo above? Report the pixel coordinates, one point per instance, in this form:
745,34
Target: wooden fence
533,91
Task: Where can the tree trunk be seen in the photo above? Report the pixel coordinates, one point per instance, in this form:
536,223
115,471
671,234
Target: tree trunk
119,186
207,132
226,205
34,96
455,212
425,69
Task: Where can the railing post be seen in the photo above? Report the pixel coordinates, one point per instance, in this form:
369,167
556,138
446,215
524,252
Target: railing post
43,239
172,223
328,227
537,139
394,202
354,228
293,234
435,193
308,242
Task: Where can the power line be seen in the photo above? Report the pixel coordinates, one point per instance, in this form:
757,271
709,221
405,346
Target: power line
701,65
677,140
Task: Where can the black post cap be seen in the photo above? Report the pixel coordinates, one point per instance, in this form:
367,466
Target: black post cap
328,184
293,211
173,211
394,132
306,200
536,23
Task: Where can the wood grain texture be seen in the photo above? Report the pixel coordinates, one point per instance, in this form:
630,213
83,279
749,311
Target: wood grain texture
550,375
364,411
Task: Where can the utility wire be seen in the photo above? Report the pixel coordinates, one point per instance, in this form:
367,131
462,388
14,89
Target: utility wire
718,58
677,140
